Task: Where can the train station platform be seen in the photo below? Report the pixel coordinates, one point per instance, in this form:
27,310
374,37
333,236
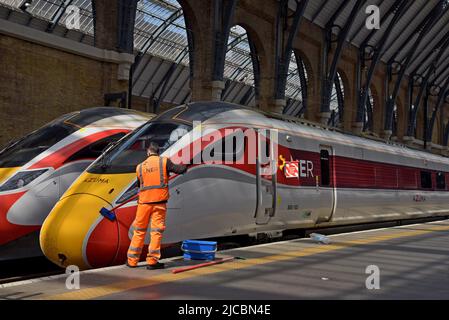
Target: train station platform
412,260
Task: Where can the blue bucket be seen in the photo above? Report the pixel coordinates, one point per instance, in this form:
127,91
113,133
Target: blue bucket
199,250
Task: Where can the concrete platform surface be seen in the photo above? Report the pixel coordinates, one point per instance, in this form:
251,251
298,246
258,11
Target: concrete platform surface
408,262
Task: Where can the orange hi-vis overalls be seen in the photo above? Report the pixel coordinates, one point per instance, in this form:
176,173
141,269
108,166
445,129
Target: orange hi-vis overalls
153,196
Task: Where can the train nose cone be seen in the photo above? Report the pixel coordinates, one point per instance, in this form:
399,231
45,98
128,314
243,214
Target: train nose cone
10,231
66,235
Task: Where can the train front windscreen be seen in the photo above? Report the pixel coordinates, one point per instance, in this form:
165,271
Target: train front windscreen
131,150
23,150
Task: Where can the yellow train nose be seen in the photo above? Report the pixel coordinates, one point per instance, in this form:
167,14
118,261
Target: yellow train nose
5,173
64,236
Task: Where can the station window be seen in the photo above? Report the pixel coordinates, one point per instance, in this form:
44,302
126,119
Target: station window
441,181
426,180
325,168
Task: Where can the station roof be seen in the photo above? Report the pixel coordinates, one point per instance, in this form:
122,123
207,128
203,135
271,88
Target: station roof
422,26
425,19
171,45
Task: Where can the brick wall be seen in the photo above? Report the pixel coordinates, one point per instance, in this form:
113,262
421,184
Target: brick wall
38,84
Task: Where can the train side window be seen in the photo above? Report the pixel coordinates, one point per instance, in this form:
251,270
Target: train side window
232,148
441,181
227,146
95,149
426,180
267,149
325,168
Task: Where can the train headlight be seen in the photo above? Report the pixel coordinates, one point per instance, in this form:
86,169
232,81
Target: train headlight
21,179
132,191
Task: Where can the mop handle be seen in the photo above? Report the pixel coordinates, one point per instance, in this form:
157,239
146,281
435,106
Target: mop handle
201,265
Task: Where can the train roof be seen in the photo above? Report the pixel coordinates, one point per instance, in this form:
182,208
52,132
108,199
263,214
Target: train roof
88,116
233,113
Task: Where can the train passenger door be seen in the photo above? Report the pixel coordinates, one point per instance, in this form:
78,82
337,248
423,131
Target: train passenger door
266,167
326,184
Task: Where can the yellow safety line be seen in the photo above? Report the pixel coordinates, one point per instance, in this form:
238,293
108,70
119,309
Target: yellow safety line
104,290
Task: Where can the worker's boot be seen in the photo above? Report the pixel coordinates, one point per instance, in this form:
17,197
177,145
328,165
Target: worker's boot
155,266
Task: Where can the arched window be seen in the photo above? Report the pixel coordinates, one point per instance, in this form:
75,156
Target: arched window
368,113
337,102
395,121
161,72
296,89
239,69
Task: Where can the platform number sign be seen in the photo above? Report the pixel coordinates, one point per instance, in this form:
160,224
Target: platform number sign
291,169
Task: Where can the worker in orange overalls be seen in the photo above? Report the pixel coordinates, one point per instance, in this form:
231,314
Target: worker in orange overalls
152,175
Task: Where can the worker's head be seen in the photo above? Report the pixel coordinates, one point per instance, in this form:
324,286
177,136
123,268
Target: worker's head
153,148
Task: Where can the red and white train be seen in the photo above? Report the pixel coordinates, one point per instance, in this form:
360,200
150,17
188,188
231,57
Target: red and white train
37,169
322,178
